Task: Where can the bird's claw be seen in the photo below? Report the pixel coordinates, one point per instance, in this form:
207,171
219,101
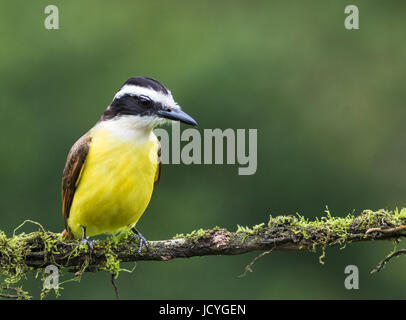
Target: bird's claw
90,243
141,238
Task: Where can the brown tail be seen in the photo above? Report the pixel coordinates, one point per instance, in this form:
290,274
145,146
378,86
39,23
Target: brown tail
66,235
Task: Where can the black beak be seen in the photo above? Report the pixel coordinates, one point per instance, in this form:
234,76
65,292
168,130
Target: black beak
178,115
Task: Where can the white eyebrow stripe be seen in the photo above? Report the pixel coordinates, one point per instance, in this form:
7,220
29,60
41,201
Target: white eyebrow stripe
164,99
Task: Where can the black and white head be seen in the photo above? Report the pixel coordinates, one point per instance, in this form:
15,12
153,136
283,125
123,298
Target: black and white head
147,100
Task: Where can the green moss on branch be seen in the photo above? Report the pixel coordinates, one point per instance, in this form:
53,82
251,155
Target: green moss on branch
24,252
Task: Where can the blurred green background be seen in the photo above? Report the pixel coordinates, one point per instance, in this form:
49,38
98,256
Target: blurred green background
328,103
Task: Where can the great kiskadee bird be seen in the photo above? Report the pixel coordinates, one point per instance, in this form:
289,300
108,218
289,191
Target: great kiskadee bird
111,170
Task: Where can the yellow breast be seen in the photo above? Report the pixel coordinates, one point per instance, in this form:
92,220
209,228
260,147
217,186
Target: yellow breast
116,183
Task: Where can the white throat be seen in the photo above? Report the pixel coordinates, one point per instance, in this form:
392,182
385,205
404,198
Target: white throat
135,128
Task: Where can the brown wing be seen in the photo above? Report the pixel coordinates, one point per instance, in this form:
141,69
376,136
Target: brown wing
71,175
158,169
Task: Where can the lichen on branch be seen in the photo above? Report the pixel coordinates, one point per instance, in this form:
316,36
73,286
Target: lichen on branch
23,252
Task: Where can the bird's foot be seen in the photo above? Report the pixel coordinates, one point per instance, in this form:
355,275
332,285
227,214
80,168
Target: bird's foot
141,238
90,243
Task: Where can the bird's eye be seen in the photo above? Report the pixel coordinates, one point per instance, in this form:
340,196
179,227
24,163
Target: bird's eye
144,99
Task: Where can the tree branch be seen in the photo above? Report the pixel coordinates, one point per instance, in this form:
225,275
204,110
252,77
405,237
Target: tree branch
25,252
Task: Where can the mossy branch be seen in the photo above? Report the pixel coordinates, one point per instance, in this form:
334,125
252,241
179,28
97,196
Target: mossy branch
36,250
